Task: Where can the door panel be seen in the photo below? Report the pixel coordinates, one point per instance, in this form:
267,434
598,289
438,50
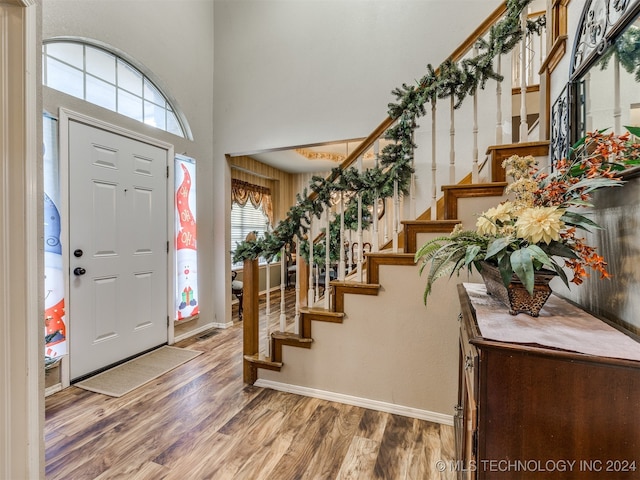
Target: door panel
118,219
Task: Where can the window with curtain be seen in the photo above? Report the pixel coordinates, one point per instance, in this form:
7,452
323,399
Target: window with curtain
251,211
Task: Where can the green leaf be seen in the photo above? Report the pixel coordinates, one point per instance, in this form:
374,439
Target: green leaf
580,221
559,249
472,252
522,265
633,130
538,254
496,246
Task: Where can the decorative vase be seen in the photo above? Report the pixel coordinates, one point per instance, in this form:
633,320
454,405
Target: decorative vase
515,295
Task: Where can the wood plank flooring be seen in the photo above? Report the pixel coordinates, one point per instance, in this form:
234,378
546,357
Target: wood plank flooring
200,421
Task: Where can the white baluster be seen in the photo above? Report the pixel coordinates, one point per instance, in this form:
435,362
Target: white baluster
350,253
588,102
360,237
296,320
374,236
341,265
499,103
434,165
412,184
327,261
617,109
396,212
474,152
264,343
452,141
310,291
524,128
283,280
530,58
385,221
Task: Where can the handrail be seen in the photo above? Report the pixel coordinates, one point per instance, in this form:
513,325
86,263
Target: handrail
401,132
456,55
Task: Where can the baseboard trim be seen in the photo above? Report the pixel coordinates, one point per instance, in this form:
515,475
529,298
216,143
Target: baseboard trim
358,402
52,389
201,329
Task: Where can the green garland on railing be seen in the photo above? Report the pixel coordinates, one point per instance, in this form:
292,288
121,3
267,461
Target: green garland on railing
395,160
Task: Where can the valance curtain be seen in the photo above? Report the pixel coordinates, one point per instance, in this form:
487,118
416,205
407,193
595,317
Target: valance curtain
256,194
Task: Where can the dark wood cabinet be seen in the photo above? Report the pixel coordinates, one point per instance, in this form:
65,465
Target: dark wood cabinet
557,396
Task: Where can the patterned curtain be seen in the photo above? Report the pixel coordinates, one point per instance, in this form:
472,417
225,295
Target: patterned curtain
257,195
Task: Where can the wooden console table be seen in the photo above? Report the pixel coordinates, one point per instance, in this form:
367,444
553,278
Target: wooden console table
557,396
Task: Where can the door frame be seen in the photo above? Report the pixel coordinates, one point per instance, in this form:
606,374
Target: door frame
64,117
21,308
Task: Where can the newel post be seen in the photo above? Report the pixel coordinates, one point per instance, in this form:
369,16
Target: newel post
250,337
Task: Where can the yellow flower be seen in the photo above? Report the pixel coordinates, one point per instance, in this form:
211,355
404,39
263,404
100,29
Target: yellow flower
540,224
484,226
487,223
502,213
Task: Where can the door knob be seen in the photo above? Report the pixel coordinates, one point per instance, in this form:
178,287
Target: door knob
79,271
77,253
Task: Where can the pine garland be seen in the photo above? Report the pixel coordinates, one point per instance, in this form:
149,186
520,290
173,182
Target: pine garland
451,79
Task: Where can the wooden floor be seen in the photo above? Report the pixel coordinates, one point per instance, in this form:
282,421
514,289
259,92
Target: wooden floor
200,421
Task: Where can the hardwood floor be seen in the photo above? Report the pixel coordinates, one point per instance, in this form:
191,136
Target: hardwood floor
200,421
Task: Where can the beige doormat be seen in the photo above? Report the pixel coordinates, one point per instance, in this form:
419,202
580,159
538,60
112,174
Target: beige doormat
130,375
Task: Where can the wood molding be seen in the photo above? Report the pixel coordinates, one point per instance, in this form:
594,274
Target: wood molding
374,260
555,54
467,45
530,89
453,192
412,227
279,339
309,314
500,152
342,288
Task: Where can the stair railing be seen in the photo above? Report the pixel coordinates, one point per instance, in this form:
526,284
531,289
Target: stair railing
332,215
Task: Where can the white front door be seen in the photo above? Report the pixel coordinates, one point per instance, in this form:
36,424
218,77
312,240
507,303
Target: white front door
117,247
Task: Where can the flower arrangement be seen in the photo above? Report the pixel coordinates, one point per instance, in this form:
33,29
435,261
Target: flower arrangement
538,228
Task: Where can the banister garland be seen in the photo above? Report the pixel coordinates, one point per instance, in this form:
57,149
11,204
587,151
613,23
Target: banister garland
457,79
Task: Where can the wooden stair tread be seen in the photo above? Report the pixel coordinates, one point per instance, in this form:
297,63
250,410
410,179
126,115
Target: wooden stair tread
290,337
263,362
321,312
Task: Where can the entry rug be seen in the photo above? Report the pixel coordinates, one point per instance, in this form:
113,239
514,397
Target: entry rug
130,375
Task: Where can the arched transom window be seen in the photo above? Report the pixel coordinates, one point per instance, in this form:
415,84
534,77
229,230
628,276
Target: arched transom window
99,76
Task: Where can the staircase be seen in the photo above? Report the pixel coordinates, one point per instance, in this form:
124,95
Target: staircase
376,344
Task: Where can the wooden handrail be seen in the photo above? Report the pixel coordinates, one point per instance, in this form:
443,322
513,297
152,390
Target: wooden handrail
457,54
